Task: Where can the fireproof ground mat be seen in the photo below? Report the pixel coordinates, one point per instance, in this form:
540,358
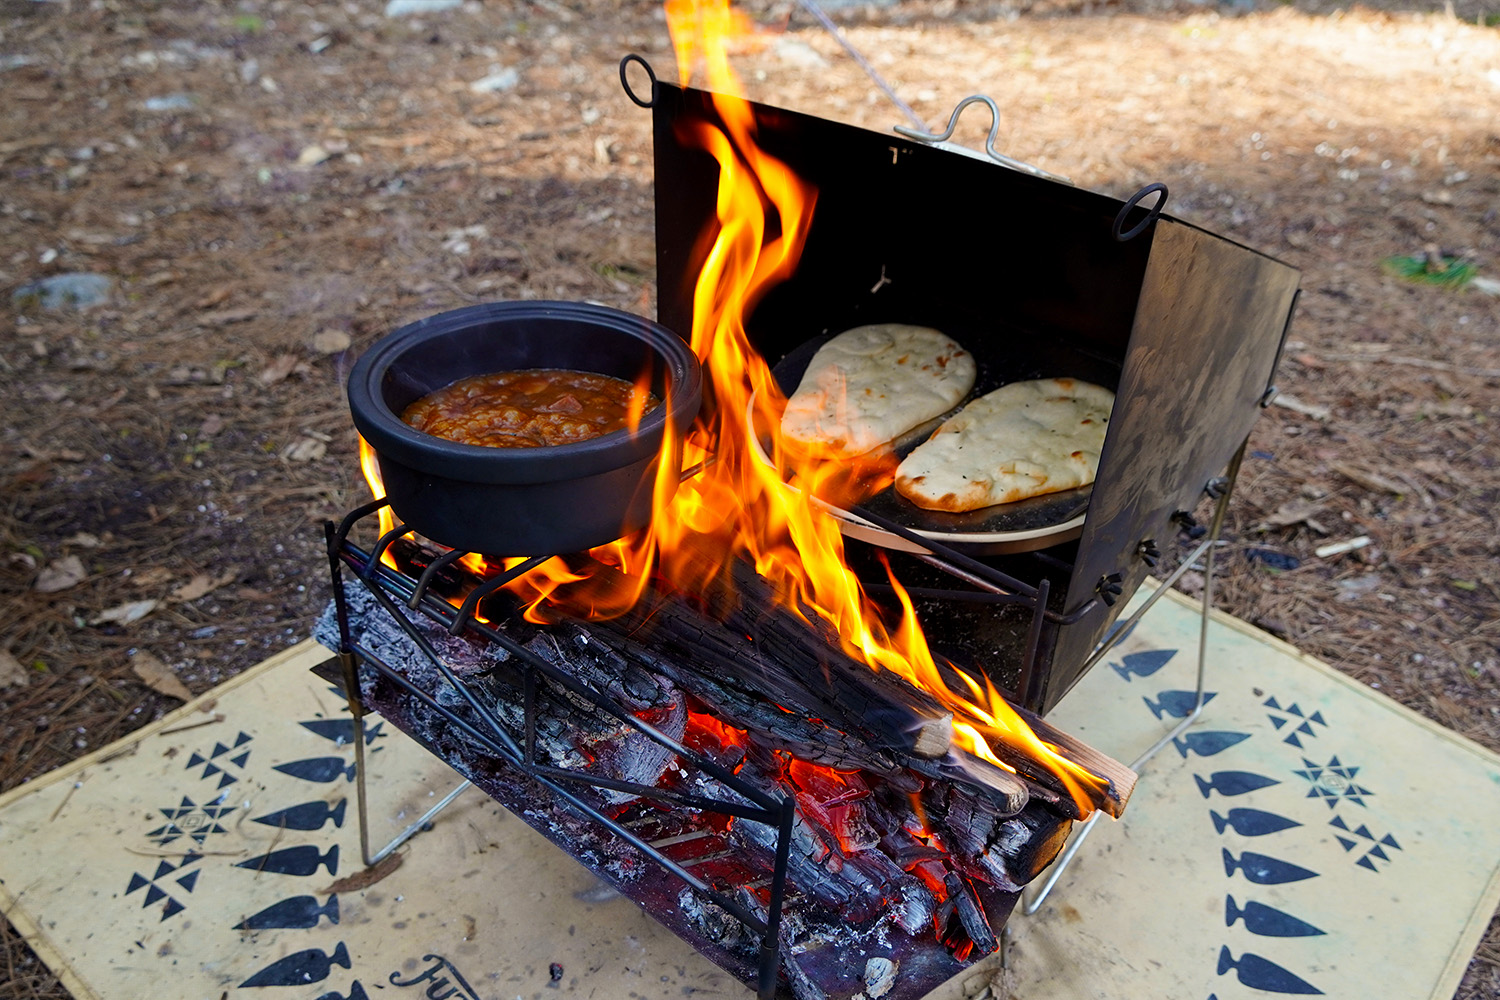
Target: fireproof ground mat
1308,836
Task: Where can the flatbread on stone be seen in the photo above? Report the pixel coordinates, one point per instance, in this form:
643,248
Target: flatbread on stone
1022,440
869,385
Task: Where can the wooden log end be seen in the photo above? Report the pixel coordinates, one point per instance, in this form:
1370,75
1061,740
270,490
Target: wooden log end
933,737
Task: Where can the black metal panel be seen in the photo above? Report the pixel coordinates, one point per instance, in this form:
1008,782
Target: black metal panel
1207,334
1027,274
1021,270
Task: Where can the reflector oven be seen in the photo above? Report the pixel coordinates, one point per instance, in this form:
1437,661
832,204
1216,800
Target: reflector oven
803,820
1037,279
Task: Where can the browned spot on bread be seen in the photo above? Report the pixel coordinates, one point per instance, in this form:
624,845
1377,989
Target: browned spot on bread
1077,454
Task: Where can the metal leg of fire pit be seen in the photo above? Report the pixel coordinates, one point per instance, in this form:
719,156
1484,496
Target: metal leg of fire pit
349,663
361,795
1206,550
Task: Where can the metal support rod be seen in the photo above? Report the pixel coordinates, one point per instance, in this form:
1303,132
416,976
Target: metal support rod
430,573
488,587
1031,905
405,835
770,944
349,664
816,11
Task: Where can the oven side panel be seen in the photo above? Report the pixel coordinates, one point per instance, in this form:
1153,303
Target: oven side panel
1207,334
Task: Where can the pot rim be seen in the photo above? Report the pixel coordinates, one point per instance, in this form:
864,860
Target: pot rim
393,439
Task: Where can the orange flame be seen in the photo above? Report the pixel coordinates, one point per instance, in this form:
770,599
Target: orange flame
739,507
369,464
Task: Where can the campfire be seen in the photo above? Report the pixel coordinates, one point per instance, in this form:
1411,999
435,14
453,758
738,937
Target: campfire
736,712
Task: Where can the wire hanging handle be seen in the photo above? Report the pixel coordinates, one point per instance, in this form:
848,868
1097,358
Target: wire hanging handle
934,138
1152,214
625,80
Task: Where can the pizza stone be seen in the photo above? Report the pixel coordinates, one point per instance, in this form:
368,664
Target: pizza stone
869,385
1023,440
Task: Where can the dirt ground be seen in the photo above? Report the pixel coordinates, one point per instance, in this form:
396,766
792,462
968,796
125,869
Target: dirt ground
273,185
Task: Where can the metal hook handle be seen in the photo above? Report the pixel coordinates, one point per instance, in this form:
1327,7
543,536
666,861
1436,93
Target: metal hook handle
625,80
1152,214
989,143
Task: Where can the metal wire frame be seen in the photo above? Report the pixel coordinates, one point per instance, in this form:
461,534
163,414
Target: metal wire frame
1205,550
386,585
993,586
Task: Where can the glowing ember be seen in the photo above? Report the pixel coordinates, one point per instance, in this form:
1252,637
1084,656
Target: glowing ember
739,507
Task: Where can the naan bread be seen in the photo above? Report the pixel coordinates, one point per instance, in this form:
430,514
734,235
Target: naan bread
868,386
1022,440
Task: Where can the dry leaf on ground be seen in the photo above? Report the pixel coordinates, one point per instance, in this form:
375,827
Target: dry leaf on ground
202,584
124,614
1293,513
159,677
1369,480
367,877
60,574
312,155
12,674
153,577
306,449
224,317
216,297
49,455
331,341
284,366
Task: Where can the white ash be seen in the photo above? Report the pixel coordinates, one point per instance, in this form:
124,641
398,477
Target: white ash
879,977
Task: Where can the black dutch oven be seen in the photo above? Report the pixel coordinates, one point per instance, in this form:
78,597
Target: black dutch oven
521,501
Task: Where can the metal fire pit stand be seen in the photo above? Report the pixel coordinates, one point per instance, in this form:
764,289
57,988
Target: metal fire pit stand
1123,628
392,589
388,588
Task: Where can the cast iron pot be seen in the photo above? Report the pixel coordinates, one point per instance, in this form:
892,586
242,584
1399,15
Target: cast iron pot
521,501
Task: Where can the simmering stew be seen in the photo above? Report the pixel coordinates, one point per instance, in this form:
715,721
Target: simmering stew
530,409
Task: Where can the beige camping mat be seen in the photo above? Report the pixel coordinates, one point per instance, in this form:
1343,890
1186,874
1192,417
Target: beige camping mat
1352,845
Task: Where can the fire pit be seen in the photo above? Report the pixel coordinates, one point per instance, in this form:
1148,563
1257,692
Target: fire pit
817,760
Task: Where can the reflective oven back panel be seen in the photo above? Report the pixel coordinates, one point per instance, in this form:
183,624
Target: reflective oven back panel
1026,273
